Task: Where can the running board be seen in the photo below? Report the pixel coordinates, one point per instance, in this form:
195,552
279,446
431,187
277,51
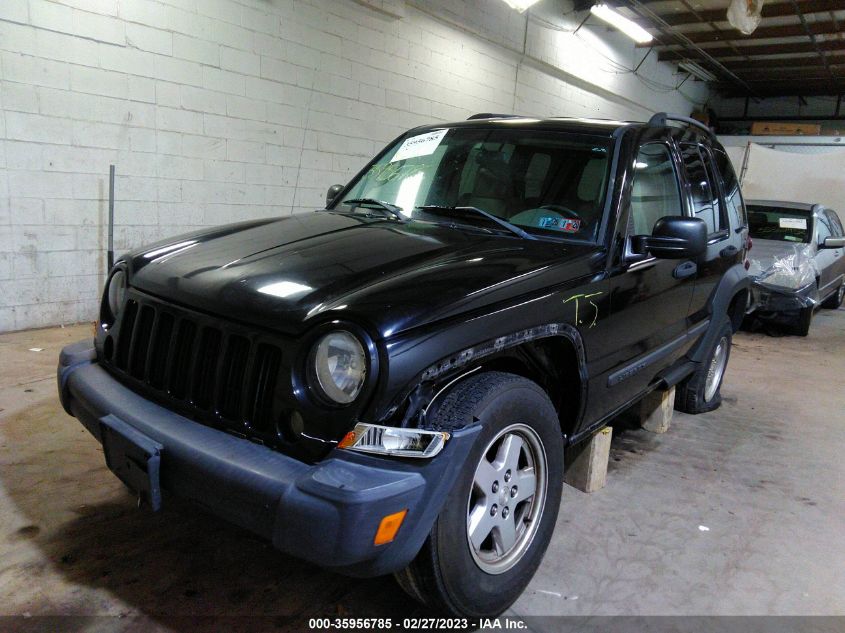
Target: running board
675,375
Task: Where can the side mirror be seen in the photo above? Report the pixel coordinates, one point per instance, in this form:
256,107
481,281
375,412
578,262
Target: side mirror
673,237
331,194
833,242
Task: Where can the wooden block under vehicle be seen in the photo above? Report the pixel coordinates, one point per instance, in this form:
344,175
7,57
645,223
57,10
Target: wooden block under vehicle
656,410
586,462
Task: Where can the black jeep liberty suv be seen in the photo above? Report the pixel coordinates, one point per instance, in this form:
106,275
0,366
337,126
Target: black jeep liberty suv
387,385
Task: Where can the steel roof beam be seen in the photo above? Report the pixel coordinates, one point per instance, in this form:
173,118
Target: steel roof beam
778,10
762,50
762,33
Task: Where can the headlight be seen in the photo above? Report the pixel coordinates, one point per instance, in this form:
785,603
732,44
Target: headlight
388,440
340,366
116,291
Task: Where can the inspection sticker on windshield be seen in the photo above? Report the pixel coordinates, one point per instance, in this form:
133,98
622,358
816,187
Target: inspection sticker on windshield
793,223
561,224
422,145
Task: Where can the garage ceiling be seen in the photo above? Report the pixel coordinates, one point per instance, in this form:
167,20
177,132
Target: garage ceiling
798,48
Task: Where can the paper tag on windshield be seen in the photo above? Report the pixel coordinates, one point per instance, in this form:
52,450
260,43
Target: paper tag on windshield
422,145
793,223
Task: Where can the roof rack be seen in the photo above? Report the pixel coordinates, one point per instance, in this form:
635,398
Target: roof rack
492,115
661,119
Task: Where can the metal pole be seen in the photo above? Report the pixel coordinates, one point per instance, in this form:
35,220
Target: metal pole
744,162
111,217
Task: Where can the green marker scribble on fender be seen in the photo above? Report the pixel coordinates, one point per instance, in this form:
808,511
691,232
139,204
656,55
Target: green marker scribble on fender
576,298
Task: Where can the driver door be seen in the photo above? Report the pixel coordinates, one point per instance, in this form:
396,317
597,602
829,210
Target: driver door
650,297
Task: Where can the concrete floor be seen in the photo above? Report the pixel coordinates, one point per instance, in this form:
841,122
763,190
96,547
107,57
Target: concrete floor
740,511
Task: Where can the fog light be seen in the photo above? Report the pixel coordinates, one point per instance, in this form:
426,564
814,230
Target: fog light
388,527
390,440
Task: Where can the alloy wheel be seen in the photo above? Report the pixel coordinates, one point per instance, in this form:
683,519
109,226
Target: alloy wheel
507,498
716,369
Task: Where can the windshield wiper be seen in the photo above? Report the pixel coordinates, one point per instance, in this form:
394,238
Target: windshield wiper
512,228
392,209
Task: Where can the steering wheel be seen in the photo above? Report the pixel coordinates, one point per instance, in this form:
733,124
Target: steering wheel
562,210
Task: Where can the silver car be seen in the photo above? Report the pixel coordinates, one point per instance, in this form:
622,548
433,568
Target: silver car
797,261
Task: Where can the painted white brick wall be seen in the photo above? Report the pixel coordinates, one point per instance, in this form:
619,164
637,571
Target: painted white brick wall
223,110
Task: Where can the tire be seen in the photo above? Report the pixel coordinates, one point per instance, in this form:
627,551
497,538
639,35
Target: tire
803,321
454,575
699,394
835,300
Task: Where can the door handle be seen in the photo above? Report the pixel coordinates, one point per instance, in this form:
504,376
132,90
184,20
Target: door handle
687,269
728,251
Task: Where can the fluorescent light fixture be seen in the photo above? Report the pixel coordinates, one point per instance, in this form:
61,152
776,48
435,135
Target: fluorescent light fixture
284,289
697,71
627,26
520,5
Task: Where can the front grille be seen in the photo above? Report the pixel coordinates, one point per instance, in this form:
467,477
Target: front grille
207,368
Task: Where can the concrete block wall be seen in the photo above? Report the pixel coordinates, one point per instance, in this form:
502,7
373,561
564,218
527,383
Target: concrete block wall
222,110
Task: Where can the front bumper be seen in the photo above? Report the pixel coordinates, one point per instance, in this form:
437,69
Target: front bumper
767,299
327,513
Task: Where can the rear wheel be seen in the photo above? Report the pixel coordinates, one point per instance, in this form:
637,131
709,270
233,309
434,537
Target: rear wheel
497,522
835,300
701,391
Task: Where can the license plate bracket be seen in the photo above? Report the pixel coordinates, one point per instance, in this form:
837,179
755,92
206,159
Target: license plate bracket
134,457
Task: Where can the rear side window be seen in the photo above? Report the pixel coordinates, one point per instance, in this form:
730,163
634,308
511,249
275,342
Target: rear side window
705,194
654,190
732,193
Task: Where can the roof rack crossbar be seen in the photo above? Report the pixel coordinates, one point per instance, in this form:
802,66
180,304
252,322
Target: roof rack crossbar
492,115
661,118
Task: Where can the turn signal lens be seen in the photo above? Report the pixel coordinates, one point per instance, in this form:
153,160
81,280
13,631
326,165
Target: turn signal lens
388,527
348,440
391,440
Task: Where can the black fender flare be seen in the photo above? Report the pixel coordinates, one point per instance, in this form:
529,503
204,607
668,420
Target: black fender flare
452,369
735,280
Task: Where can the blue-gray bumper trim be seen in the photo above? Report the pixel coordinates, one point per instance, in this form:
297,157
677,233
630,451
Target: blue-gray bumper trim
327,513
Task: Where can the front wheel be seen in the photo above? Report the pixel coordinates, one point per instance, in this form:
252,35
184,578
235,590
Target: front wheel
497,522
701,391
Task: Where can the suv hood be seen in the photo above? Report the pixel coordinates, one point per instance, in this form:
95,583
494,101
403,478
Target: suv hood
288,274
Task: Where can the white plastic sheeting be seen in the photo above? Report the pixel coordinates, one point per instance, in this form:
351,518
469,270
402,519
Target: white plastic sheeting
793,175
745,15
790,266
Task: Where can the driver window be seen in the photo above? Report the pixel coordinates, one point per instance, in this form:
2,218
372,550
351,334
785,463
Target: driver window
654,191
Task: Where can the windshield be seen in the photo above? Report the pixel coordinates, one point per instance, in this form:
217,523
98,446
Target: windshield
781,224
546,183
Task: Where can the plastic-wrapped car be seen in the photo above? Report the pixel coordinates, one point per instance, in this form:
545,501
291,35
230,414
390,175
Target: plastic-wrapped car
797,261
